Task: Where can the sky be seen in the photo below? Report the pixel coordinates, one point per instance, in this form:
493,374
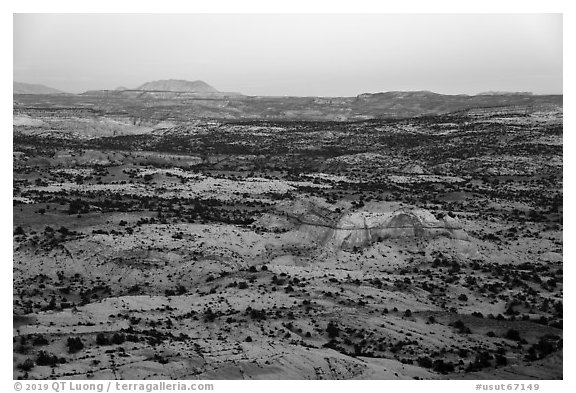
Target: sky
293,54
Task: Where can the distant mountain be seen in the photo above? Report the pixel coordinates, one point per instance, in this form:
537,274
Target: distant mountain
417,103
29,88
505,93
203,101
177,85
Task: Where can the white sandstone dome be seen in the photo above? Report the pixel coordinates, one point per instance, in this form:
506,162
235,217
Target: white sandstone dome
360,229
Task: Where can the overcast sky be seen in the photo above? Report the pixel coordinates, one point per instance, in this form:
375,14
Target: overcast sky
320,55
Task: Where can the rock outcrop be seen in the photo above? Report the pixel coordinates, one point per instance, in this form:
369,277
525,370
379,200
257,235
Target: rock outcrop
361,229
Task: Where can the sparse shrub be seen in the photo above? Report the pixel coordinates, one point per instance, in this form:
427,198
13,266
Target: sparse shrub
513,335
333,330
546,345
78,206
47,359
425,361
481,361
132,338
27,365
463,329
102,339
258,315
443,367
118,338
74,344
242,285
501,360
209,315
39,340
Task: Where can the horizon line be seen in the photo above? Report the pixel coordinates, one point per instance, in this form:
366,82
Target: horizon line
486,92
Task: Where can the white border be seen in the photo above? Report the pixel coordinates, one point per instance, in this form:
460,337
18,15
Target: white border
295,6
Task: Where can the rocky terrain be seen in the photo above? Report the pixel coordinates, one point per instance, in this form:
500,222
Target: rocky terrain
385,236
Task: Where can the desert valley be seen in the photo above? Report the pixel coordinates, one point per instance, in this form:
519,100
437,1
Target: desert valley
173,231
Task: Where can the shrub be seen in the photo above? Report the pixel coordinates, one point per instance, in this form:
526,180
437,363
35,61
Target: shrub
333,330
118,338
39,340
102,339
209,315
242,285
74,344
47,359
27,365
425,361
258,314
78,206
461,327
513,335
481,361
546,345
501,360
443,367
